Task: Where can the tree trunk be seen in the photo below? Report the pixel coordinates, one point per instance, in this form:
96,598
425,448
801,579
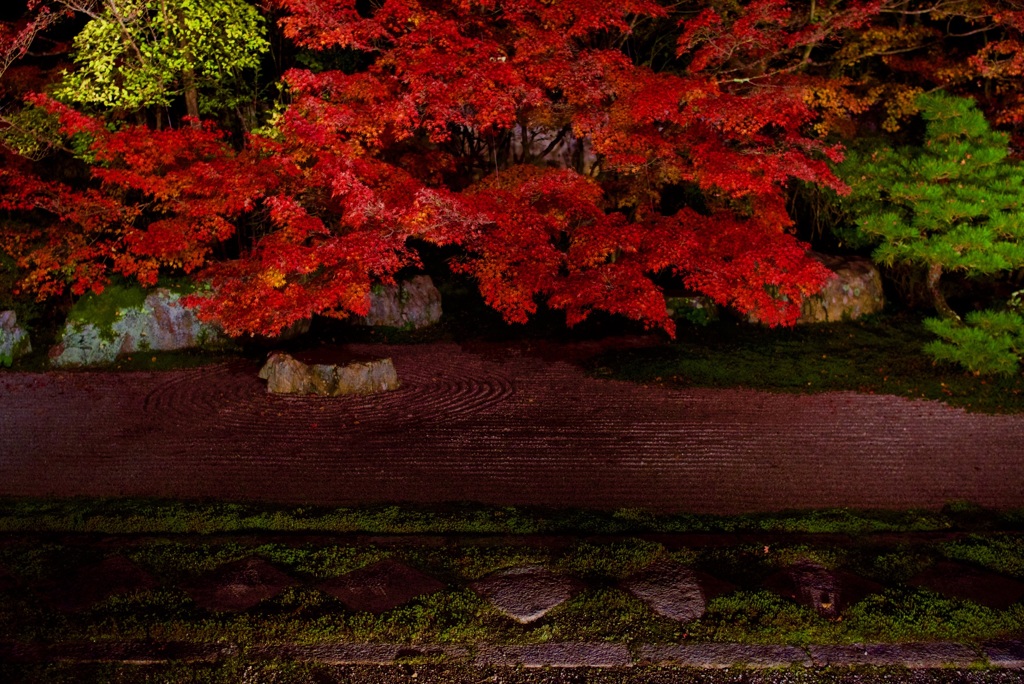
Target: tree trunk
938,299
188,78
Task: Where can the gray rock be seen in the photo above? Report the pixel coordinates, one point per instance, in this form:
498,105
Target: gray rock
670,589
14,341
287,375
414,303
854,290
525,594
162,323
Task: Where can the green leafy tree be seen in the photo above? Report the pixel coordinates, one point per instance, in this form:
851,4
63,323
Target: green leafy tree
135,54
953,204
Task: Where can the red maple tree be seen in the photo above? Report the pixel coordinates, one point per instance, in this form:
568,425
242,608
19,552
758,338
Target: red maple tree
518,130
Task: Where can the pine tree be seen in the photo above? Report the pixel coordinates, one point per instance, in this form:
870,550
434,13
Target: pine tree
953,204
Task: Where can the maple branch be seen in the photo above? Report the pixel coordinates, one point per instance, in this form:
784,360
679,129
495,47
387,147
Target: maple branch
554,143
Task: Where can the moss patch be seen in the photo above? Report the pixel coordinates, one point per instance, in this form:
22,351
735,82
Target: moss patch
601,611
134,516
882,355
102,310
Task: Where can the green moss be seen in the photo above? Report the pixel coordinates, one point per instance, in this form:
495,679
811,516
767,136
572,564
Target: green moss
878,354
602,611
761,617
129,516
610,561
102,310
905,614
1003,554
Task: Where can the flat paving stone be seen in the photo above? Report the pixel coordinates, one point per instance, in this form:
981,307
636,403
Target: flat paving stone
356,654
924,655
91,584
674,590
381,586
555,655
239,585
526,594
1007,654
716,656
958,580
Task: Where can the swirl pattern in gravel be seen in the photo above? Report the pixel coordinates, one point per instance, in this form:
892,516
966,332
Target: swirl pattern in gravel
498,426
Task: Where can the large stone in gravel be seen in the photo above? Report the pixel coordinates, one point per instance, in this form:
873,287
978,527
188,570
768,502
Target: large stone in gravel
413,303
674,590
525,594
160,323
956,580
287,375
554,655
239,585
854,290
93,583
14,340
380,587
827,592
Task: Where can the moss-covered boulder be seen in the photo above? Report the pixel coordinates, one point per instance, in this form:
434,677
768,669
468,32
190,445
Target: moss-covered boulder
14,341
124,320
854,290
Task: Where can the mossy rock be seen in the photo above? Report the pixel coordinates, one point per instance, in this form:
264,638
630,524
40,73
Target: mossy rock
126,319
14,341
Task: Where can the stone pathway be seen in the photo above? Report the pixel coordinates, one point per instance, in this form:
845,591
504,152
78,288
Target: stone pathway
524,594
496,425
1007,655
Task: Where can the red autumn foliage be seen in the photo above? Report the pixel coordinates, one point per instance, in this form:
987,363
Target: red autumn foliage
449,136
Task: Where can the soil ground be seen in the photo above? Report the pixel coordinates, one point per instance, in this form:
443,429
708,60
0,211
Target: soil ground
495,423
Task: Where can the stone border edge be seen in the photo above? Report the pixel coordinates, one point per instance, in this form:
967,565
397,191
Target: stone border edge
997,655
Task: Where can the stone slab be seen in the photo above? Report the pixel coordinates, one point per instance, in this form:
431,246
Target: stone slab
1005,654
525,594
669,589
381,586
715,656
915,656
239,585
555,655
137,652
357,654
